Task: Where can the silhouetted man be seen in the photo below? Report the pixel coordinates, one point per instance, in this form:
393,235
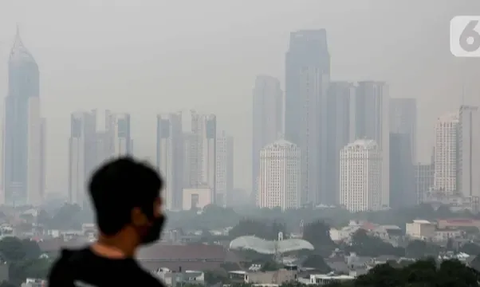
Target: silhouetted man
126,198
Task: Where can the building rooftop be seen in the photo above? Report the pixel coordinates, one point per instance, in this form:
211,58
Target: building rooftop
269,247
363,143
281,143
421,221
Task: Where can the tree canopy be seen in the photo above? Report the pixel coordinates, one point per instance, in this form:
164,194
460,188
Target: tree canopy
214,217
22,257
257,228
318,234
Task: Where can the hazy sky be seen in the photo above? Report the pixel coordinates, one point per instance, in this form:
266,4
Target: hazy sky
150,56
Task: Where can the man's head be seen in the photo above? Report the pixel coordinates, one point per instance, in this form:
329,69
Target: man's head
126,195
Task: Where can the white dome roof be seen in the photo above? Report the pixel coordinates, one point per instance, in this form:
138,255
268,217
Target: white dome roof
269,247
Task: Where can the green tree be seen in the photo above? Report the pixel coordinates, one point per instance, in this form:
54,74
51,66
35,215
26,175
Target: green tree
318,234
12,249
23,259
213,277
257,228
366,245
67,217
316,261
31,248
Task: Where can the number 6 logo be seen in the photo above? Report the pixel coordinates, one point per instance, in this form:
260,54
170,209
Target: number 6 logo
465,36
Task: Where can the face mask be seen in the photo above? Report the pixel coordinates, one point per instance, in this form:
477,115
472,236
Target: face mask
153,233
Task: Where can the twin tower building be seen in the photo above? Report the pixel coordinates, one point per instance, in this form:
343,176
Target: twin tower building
327,142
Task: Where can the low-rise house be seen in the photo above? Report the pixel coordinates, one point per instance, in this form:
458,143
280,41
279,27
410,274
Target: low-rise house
324,279
259,277
173,279
421,229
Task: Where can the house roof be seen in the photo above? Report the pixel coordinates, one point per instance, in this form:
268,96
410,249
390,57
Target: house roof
183,252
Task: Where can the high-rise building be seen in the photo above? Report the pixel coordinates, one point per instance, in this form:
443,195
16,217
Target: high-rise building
403,120
372,122
361,176
22,143
280,172
120,128
446,151
469,151
82,154
423,180
402,172
267,119
340,132
201,152
224,169
43,157
92,142
306,82
403,129
170,158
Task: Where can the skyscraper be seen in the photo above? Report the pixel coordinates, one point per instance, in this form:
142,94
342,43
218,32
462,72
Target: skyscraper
469,151
403,129
340,132
170,158
93,141
279,180
22,161
43,157
267,119
224,169
120,131
201,152
82,154
372,122
361,176
402,172
446,153
307,68
403,120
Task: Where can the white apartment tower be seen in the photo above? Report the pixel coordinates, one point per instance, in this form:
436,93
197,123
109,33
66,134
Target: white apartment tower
224,169
445,156
469,151
280,176
170,157
361,176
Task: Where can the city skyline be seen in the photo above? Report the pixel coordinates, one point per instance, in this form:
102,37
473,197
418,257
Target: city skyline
76,95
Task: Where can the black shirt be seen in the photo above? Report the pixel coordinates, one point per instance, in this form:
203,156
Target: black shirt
83,268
